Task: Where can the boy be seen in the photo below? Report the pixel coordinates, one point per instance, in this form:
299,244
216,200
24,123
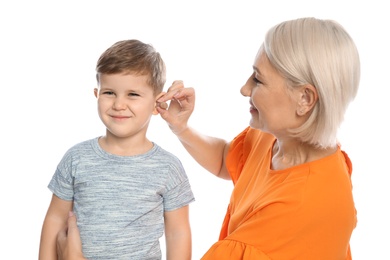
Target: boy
124,189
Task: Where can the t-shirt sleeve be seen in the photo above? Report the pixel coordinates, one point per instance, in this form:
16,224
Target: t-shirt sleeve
236,156
179,193
234,250
61,183
347,162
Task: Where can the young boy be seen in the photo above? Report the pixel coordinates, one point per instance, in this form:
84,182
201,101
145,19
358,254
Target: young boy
125,190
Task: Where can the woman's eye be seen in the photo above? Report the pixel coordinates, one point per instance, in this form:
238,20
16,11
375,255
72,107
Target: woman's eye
257,81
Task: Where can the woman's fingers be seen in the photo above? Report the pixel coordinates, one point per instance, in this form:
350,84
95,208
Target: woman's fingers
172,91
181,105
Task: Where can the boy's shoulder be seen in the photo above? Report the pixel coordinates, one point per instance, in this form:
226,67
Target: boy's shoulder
84,143
165,159
82,146
167,155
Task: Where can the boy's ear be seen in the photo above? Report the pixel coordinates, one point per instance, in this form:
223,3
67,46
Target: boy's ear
160,95
308,97
96,92
155,112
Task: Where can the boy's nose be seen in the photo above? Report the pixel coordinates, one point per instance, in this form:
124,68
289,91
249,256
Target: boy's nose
119,104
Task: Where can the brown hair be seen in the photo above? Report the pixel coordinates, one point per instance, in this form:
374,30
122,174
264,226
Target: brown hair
133,57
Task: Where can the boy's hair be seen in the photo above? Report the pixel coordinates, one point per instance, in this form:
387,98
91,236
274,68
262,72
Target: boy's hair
133,57
320,53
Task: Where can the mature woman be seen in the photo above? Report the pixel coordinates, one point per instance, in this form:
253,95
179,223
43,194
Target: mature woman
292,196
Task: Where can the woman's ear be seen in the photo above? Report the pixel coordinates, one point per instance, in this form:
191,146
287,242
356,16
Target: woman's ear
308,97
155,112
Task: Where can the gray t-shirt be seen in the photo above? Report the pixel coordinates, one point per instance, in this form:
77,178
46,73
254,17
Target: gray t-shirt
119,201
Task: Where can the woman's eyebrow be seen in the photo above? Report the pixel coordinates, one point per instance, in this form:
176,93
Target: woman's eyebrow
257,70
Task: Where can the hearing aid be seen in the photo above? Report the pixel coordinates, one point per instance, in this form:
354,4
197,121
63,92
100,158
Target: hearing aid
163,105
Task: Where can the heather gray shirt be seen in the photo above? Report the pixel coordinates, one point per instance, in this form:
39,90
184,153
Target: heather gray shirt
119,201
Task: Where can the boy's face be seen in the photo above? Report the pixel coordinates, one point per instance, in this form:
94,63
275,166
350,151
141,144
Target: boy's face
125,104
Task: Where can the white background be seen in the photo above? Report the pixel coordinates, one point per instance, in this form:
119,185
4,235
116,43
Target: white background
48,52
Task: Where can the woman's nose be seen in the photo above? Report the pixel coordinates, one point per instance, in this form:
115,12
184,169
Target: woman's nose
246,89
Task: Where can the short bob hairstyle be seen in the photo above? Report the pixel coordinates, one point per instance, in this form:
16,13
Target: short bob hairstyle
320,53
133,57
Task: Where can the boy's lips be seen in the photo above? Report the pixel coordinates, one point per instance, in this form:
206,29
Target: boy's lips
120,117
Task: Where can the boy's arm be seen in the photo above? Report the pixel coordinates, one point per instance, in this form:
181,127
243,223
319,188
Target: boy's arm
178,234
55,220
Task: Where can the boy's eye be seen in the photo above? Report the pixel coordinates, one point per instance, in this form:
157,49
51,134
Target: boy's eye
108,93
133,94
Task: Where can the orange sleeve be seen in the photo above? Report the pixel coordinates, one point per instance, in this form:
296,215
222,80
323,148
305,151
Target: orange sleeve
240,148
236,158
234,250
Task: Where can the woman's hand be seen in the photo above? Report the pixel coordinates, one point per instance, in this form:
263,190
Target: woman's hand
181,106
69,241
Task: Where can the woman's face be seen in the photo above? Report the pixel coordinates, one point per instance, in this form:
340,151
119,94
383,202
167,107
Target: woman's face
273,104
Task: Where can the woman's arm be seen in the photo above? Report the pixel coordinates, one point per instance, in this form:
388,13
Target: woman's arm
178,234
209,152
55,221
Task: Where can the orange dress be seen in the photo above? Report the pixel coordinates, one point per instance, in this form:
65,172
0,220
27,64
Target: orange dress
303,212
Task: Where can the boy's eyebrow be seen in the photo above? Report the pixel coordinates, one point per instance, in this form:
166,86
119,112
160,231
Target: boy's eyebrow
133,89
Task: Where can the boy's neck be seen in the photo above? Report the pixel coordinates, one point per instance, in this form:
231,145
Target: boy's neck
125,146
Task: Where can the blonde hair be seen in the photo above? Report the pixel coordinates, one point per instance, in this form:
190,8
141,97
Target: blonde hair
320,53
